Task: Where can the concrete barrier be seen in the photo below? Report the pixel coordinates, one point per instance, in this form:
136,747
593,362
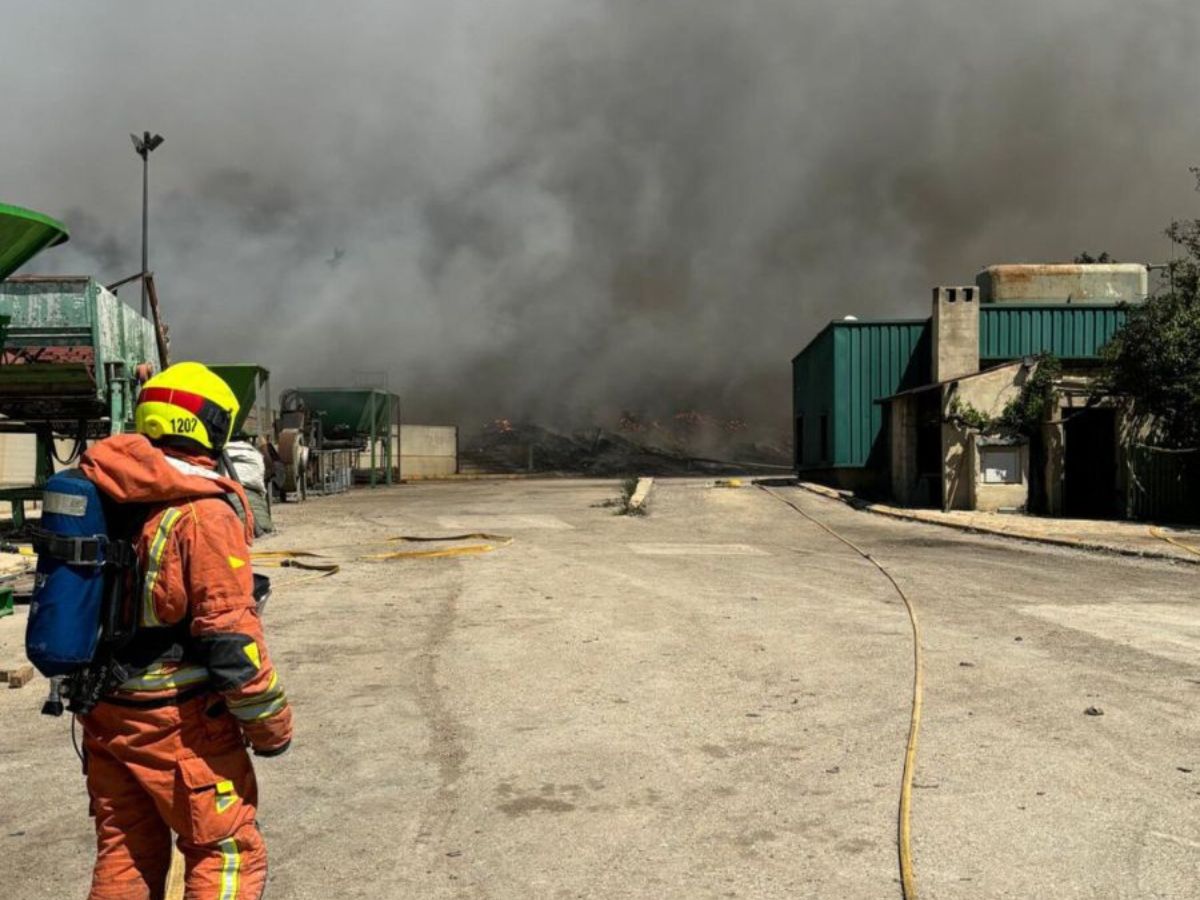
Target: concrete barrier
641,493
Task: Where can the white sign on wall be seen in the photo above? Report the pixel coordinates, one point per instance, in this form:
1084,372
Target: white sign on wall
1000,465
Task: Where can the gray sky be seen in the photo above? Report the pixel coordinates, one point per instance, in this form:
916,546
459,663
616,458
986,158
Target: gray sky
558,210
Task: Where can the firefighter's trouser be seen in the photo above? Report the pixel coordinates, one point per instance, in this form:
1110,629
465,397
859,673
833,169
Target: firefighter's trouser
172,768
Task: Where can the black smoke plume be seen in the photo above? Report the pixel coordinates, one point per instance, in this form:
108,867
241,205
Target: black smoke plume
559,211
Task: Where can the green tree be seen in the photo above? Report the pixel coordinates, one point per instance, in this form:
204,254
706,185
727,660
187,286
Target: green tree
1154,359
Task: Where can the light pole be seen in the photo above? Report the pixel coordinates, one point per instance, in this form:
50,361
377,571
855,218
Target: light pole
144,145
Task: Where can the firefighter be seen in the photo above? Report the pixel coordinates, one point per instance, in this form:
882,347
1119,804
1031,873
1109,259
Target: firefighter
166,750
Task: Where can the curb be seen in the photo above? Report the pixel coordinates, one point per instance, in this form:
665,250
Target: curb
904,516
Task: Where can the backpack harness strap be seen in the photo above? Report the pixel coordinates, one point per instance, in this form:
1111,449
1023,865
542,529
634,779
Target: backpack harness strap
95,550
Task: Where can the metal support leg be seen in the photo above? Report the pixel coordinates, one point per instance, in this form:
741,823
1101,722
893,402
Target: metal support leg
391,436
374,437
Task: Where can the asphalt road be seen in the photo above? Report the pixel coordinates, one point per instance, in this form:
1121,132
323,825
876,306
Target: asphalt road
707,702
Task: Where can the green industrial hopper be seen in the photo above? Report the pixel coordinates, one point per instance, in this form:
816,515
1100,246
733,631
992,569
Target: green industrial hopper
250,383
358,417
23,235
351,412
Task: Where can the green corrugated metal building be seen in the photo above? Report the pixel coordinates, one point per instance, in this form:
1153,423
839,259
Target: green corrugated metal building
838,379
1073,332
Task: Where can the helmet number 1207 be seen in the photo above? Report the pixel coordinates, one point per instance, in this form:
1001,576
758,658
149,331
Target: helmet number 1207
184,426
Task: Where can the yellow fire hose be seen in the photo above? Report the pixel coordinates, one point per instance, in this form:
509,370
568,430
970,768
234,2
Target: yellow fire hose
305,559
471,536
1158,533
908,879
299,558
295,559
494,541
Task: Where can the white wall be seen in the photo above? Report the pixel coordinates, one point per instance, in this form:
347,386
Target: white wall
18,458
428,451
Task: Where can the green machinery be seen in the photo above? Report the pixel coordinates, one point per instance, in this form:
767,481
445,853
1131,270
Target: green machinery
251,384
23,235
294,468
336,427
73,354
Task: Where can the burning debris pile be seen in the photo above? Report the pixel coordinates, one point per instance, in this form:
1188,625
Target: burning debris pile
688,443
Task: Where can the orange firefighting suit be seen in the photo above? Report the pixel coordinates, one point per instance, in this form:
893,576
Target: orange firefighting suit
166,750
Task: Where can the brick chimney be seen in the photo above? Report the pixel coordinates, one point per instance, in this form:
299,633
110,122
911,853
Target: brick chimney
955,332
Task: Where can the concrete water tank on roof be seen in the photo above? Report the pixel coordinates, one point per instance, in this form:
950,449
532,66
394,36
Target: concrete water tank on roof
1063,283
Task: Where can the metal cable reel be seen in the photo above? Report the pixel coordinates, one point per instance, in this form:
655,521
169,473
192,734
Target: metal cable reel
294,456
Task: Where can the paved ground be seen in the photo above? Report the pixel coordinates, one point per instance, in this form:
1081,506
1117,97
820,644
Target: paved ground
1132,538
708,702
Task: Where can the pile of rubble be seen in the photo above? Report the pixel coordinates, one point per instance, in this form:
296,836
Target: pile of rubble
686,447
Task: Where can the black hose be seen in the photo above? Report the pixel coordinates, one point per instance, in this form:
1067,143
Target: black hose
75,741
76,451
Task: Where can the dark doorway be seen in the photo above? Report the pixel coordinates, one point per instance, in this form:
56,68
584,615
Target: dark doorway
1090,463
929,450
1037,502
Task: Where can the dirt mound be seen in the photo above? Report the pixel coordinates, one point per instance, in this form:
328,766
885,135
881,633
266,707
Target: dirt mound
508,447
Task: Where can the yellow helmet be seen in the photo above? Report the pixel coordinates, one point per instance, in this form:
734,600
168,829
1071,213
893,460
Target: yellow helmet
187,400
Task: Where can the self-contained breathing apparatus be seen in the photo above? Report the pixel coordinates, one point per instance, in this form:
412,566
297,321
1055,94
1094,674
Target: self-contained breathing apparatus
83,631
84,610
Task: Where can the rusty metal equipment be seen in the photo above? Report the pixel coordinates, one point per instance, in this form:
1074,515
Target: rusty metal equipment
323,431
300,469
73,355
72,362
310,463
